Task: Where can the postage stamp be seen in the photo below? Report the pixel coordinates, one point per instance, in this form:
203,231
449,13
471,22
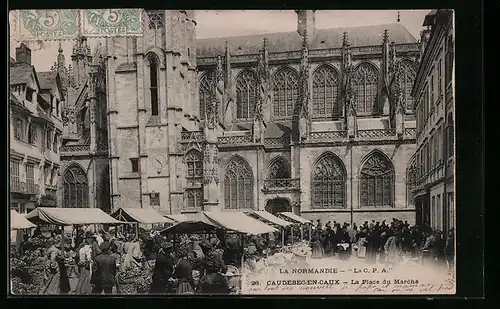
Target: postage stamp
111,22
47,24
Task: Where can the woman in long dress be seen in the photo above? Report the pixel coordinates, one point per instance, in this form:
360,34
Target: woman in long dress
393,249
183,273
52,279
83,286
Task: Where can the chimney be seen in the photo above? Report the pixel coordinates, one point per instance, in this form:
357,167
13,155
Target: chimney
306,22
23,54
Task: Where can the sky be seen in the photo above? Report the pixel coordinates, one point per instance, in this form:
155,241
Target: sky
244,22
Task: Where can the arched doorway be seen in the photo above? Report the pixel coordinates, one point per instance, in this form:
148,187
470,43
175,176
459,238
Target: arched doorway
278,205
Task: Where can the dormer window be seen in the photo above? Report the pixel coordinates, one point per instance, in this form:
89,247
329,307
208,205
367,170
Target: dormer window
29,94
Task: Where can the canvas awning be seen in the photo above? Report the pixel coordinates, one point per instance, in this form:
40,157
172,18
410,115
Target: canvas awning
239,222
190,224
140,215
271,218
70,216
19,222
293,217
177,218
210,221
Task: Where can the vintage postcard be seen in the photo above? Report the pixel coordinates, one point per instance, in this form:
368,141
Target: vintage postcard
232,152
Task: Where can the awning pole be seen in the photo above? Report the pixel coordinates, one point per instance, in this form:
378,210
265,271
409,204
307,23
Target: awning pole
292,234
283,237
310,232
301,233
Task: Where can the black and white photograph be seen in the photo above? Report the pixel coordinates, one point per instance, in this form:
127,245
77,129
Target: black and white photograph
232,152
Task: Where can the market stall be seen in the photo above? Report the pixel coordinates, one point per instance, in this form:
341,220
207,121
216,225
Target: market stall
228,222
271,219
70,216
18,225
141,216
291,217
19,222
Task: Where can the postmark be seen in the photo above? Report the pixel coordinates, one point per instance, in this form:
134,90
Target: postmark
111,22
34,25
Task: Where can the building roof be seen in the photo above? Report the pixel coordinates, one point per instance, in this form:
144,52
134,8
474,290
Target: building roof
16,102
12,62
20,74
46,79
292,41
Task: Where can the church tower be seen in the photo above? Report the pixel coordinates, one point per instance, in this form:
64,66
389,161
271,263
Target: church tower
152,87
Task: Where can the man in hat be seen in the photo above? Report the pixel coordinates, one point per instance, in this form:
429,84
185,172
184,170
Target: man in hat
105,269
163,270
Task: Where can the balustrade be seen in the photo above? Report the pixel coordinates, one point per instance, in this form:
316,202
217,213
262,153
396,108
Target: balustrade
282,184
75,148
17,186
329,135
237,139
382,133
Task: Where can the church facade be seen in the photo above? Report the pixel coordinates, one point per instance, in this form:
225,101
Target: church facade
316,121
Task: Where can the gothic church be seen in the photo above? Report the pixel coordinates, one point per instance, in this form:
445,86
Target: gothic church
315,121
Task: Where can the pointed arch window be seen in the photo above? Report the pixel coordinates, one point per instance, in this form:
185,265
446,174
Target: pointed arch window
246,94
411,180
377,182
278,169
365,86
206,92
194,163
238,185
325,93
285,93
153,84
408,75
328,183
75,188
194,198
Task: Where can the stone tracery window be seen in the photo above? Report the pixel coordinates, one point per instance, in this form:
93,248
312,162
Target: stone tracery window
194,198
238,185
279,169
408,76
377,182
365,86
285,93
328,183
75,188
206,91
156,18
246,94
194,163
325,93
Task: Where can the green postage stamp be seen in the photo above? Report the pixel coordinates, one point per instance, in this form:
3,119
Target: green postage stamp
67,24
111,22
46,24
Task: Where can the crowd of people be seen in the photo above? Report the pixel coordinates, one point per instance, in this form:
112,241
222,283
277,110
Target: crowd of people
95,259
200,264
382,242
